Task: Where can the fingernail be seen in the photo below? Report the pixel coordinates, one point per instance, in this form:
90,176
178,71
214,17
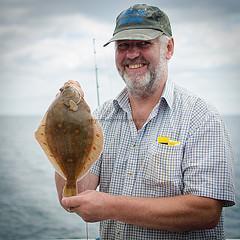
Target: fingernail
64,201
69,210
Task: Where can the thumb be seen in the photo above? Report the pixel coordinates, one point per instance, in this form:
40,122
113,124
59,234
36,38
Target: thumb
71,201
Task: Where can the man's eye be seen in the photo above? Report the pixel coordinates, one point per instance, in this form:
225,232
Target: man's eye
143,44
123,46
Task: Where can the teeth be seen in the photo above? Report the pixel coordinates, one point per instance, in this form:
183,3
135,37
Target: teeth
133,66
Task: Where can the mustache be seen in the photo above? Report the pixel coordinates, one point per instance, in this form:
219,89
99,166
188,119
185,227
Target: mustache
135,61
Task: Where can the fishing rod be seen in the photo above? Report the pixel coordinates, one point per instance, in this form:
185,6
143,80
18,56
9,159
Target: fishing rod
96,72
98,102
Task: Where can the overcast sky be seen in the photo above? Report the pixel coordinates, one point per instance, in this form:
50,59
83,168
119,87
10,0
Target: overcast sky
45,43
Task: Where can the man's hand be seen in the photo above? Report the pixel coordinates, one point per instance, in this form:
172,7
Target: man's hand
177,214
91,206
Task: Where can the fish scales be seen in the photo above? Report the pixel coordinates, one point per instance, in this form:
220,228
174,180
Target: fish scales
70,136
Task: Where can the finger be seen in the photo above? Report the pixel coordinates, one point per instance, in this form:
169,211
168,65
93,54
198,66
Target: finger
71,202
84,192
70,210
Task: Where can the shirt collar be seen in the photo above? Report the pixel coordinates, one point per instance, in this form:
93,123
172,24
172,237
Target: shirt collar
122,101
168,93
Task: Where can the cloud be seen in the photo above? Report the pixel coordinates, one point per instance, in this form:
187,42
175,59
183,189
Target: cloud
205,59
43,45
39,59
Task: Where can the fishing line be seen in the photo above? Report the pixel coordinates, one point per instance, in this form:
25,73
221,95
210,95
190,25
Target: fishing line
86,225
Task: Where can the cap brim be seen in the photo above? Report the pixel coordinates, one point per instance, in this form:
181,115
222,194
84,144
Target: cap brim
135,34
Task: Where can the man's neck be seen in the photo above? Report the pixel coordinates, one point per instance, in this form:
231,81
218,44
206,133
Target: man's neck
142,106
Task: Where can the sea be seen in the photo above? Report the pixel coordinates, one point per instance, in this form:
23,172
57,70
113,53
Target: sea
29,206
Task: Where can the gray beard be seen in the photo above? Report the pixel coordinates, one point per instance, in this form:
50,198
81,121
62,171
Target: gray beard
141,86
145,85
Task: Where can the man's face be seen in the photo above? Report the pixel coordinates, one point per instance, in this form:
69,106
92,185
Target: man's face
140,64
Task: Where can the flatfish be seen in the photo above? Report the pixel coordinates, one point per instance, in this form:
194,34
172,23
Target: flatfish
71,138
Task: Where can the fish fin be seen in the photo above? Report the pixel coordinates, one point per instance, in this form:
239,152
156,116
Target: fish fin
40,135
96,148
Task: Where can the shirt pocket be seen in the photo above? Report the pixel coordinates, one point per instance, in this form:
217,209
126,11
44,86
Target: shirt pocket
162,170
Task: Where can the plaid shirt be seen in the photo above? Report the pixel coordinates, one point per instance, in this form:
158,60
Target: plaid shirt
134,163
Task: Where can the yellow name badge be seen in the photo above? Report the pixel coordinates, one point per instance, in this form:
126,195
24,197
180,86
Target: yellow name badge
167,141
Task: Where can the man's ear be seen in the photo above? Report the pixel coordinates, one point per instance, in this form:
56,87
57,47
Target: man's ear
170,49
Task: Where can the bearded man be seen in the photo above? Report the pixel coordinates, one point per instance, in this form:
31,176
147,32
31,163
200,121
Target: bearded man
165,171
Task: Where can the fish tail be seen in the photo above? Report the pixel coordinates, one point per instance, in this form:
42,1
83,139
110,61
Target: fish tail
69,191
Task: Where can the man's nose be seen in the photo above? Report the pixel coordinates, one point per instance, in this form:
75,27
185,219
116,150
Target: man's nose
133,52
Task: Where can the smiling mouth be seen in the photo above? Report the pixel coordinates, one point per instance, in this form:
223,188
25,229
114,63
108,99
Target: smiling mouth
135,66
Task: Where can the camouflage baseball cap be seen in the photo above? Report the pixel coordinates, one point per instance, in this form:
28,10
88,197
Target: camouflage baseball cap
141,22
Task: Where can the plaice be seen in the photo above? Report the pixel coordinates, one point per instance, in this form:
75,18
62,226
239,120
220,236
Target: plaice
71,138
